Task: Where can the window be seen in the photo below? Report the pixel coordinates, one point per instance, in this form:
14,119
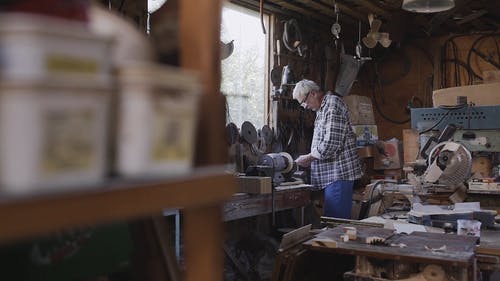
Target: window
244,71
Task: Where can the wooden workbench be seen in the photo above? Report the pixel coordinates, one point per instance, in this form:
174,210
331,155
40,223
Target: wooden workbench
448,250
243,205
460,250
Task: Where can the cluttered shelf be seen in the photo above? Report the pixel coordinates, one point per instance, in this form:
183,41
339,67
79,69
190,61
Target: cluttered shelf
23,217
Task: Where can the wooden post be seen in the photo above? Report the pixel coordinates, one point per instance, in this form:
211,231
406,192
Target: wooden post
200,51
199,27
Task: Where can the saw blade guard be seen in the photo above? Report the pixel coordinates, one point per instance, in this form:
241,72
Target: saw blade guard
449,163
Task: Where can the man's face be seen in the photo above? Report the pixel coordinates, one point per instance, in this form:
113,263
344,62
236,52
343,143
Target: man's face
311,101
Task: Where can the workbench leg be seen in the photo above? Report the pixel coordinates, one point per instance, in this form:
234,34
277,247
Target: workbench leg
177,218
302,214
469,273
163,235
203,244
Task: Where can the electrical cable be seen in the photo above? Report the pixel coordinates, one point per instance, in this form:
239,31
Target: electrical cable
443,65
458,79
458,62
377,106
443,82
390,54
448,108
370,198
455,60
472,48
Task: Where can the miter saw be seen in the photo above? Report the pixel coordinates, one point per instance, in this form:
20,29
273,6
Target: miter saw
447,166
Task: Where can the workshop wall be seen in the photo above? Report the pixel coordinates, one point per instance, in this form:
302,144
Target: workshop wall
397,78
469,60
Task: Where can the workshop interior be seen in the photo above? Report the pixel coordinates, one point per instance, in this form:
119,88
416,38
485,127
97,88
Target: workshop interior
160,140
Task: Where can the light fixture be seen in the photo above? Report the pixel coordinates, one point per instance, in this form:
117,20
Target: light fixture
427,6
154,5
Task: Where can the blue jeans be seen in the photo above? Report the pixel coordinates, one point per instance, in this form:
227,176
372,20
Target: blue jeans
338,199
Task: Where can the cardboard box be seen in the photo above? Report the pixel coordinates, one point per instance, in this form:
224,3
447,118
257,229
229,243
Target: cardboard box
365,134
483,94
360,110
254,185
388,155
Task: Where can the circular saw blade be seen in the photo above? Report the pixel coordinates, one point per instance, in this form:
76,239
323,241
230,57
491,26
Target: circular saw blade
454,160
267,134
232,134
248,132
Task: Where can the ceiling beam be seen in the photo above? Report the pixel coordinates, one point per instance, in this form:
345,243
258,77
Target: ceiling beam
373,8
472,16
304,11
346,10
329,11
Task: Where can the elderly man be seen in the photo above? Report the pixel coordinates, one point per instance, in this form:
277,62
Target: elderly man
333,158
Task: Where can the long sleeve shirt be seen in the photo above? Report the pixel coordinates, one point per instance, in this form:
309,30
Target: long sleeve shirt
333,144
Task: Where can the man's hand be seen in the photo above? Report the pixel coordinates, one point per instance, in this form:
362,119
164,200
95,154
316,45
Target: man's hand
304,160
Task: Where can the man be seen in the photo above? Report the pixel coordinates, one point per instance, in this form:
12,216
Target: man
333,158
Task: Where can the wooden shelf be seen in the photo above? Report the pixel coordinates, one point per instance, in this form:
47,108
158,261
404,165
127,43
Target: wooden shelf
22,217
487,192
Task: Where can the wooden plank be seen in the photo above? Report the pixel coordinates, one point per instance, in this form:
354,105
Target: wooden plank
45,213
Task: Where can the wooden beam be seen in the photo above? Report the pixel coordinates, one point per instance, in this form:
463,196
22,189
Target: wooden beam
472,16
329,11
302,11
346,10
374,8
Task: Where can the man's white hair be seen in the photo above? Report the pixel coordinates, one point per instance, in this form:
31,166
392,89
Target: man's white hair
303,87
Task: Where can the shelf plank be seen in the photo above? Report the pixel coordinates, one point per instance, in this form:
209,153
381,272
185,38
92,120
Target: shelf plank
29,217
487,192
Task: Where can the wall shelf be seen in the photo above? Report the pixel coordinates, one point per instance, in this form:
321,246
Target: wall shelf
25,217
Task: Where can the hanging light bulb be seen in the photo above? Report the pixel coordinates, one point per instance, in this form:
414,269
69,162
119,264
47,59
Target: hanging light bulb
427,6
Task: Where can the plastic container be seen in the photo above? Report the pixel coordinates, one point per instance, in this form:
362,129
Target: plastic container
157,120
52,134
35,47
55,86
